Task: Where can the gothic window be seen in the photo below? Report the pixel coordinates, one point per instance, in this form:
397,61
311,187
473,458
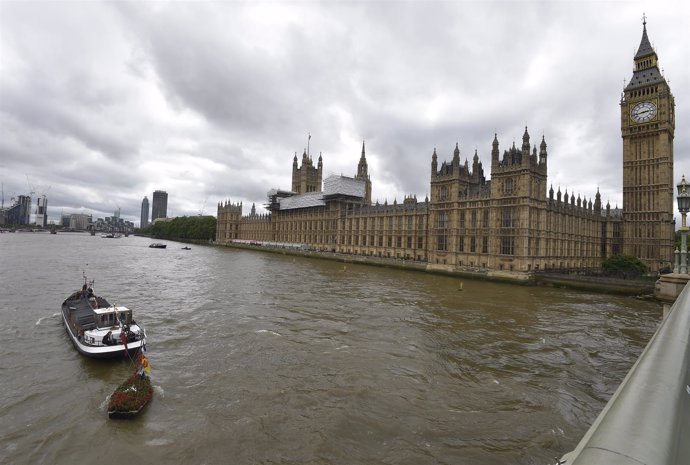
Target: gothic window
442,220
507,220
508,245
485,245
473,244
443,193
485,218
474,218
442,242
420,242
508,186
461,244
409,223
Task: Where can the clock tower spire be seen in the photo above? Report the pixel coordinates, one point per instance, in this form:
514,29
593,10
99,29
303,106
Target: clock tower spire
647,129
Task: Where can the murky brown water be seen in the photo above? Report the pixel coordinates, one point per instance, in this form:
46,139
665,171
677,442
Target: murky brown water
262,358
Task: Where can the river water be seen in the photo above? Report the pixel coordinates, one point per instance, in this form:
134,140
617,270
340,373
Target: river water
262,358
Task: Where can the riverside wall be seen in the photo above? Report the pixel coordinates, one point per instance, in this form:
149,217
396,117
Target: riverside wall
634,287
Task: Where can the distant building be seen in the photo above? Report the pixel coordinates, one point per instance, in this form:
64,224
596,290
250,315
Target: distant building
159,208
20,212
144,213
79,221
42,212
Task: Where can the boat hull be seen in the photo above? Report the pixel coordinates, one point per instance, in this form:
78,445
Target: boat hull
125,415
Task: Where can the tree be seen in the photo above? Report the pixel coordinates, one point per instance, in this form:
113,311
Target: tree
201,228
623,265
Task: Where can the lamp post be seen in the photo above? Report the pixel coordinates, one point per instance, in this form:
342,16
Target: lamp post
683,208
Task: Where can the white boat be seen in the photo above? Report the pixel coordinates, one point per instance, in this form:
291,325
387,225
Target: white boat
97,328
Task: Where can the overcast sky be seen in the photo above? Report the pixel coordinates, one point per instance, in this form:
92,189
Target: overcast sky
101,103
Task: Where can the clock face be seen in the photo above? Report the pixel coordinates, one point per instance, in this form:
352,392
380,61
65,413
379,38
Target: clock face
643,112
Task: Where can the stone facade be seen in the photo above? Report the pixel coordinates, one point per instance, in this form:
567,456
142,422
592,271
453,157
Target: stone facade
648,126
510,222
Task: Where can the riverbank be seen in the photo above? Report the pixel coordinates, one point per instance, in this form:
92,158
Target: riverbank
606,285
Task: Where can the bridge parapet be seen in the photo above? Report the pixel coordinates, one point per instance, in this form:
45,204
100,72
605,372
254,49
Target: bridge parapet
647,420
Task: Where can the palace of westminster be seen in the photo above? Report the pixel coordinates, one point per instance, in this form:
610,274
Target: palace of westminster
510,222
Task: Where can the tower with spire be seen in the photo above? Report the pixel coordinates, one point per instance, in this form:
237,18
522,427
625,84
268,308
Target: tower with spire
363,173
647,128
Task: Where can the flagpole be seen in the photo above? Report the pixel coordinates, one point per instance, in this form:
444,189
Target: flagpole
308,139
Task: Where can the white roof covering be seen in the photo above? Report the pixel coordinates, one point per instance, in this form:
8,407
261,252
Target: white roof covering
310,199
332,185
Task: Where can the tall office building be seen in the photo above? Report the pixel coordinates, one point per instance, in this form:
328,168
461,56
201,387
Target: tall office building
144,213
159,209
42,211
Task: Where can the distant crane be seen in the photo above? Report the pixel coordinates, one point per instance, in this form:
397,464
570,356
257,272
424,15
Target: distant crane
31,188
203,206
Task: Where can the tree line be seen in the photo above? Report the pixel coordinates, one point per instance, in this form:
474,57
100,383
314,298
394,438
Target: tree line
198,228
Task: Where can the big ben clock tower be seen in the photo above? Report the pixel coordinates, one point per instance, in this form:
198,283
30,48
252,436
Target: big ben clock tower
647,127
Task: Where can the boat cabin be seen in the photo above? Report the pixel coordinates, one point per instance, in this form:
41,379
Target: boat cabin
112,316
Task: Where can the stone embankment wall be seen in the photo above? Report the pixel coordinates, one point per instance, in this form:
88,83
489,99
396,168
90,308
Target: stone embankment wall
589,283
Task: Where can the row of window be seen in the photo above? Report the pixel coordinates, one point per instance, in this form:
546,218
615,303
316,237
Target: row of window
564,248
507,244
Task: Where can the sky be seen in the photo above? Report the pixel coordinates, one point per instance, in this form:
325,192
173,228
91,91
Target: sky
101,103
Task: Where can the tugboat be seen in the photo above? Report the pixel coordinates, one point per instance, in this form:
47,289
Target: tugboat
97,328
158,245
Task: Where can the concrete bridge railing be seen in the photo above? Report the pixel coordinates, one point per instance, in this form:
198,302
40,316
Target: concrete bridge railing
647,420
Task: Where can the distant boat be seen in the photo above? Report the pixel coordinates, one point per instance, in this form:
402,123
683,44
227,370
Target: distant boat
186,248
158,245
